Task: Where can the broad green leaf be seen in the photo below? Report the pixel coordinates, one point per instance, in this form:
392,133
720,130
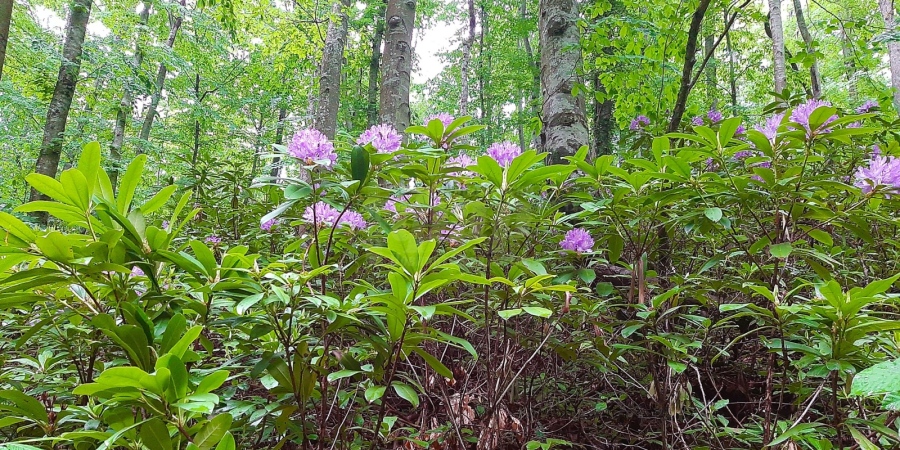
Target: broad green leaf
714,214
782,250
129,183
374,393
155,436
882,378
213,432
406,392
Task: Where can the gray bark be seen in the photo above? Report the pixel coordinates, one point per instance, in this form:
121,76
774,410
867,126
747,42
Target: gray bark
5,18
124,111
485,70
58,111
397,65
777,45
849,65
464,64
375,65
330,75
604,123
279,138
533,63
814,75
563,114
690,58
709,44
174,26
887,13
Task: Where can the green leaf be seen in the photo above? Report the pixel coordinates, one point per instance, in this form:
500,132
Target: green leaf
76,187
55,246
129,183
434,363
407,393
714,214
538,311
507,314
882,378
862,440
227,442
25,405
155,436
89,164
374,393
16,228
359,164
794,431
181,346
159,200
782,250
213,432
49,187
333,376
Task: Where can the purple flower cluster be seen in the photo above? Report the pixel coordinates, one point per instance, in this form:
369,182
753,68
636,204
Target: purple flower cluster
269,225
743,154
577,240
741,129
462,160
504,152
136,272
867,106
445,118
384,138
882,171
312,147
769,128
214,240
323,215
391,204
714,116
639,122
802,113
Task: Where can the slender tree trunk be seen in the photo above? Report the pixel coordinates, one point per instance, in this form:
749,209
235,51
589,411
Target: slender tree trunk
709,44
533,63
375,65
174,26
777,29
603,123
124,111
732,79
260,144
690,58
5,19
485,63
279,138
58,112
196,154
814,75
849,65
887,13
563,114
330,76
464,64
400,17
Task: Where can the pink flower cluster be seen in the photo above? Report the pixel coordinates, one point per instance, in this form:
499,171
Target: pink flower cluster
446,119
384,138
881,171
577,240
312,147
504,152
323,215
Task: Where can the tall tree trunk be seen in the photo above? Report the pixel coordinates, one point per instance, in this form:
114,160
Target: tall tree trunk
533,63
279,138
174,26
5,18
732,79
464,64
400,17
375,64
814,75
849,65
484,79
777,29
124,111
709,44
58,112
887,12
690,58
603,123
196,154
565,125
330,75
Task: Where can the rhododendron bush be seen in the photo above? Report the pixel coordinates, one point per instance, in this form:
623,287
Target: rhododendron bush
415,291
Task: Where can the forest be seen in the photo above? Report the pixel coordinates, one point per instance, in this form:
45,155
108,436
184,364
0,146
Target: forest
449,224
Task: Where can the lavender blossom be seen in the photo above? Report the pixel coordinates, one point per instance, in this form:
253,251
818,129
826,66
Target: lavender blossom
213,239
445,118
882,171
354,220
321,215
268,225
714,116
769,128
384,138
697,121
867,106
136,272
462,160
639,122
577,240
802,113
312,147
741,129
743,154
504,152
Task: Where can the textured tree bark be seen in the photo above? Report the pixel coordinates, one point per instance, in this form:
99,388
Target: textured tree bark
563,114
5,19
604,123
174,26
814,75
58,112
375,65
887,13
690,58
777,45
400,17
124,111
330,75
464,63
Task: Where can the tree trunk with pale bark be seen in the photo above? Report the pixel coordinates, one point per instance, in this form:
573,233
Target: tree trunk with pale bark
814,76
563,114
375,65
396,69
777,30
464,63
61,102
887,13
330,73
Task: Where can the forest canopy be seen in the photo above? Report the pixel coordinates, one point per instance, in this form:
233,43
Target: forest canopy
449,225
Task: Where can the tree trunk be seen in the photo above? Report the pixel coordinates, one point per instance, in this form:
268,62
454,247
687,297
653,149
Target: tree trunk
887,12
330,75
533,63
279,138
484,80
732,79
58,112
5,18
124,111
709,44
814,75
777,45
849,65
690,58
604,123
196,154
464,64
375,65
565,124
400,17
174,25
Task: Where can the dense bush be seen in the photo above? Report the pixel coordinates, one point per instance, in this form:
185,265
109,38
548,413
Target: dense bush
717,288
